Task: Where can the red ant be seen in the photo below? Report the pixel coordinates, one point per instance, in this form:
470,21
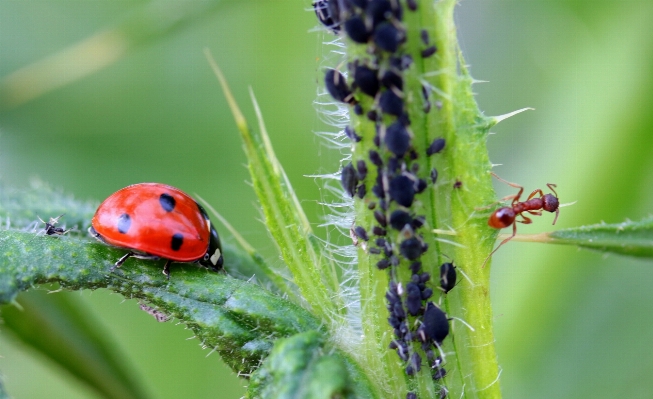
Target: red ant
507,215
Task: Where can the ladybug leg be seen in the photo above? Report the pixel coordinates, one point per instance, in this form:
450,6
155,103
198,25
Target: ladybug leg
122,260
166,268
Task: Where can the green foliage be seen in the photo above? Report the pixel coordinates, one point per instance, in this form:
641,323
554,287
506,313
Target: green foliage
303,366
627,238
559,313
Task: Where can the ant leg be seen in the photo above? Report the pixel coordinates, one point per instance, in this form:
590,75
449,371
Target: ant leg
506,198
535,213
514,233
515,185
539,190
121,261
526,220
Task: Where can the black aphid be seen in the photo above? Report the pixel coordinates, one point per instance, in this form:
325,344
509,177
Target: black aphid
401,63
435,325
402,191
380,217
383,264
416,361
420,185
413,299
372,115
391,103
391,79
387,37
357,30
348,179
376,158
378,11
439,374
358,109
397,139
361,191
399,218
427,102
378,231
458,184
362,169
434,175
378,191
336,85
393,164
436,146
427,293
411,248
324,12
367,80
349,132
416,267
418,222
447,277
411,395
361,233
412,4
424,35
374,251
429,51
358,3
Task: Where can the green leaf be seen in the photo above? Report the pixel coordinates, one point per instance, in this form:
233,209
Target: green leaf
238,319
3,393
627,238
148,23
284,216
73,341
301,367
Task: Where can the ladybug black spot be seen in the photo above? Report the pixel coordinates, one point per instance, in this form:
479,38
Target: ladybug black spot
124,223
177,241
167,202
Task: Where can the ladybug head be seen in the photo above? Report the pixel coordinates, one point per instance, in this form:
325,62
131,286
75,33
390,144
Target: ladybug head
213,258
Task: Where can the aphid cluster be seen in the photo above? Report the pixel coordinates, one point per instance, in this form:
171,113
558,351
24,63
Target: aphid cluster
388,178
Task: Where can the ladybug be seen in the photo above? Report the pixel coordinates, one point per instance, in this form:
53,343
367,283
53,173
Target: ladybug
153,221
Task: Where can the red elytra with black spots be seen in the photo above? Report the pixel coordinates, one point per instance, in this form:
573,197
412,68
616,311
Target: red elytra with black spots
155,220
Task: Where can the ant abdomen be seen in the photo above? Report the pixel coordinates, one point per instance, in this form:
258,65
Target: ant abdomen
501,218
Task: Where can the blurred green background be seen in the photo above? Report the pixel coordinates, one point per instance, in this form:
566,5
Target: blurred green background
569,324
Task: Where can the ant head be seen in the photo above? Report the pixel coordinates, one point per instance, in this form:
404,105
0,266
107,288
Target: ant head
502,217
551,203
